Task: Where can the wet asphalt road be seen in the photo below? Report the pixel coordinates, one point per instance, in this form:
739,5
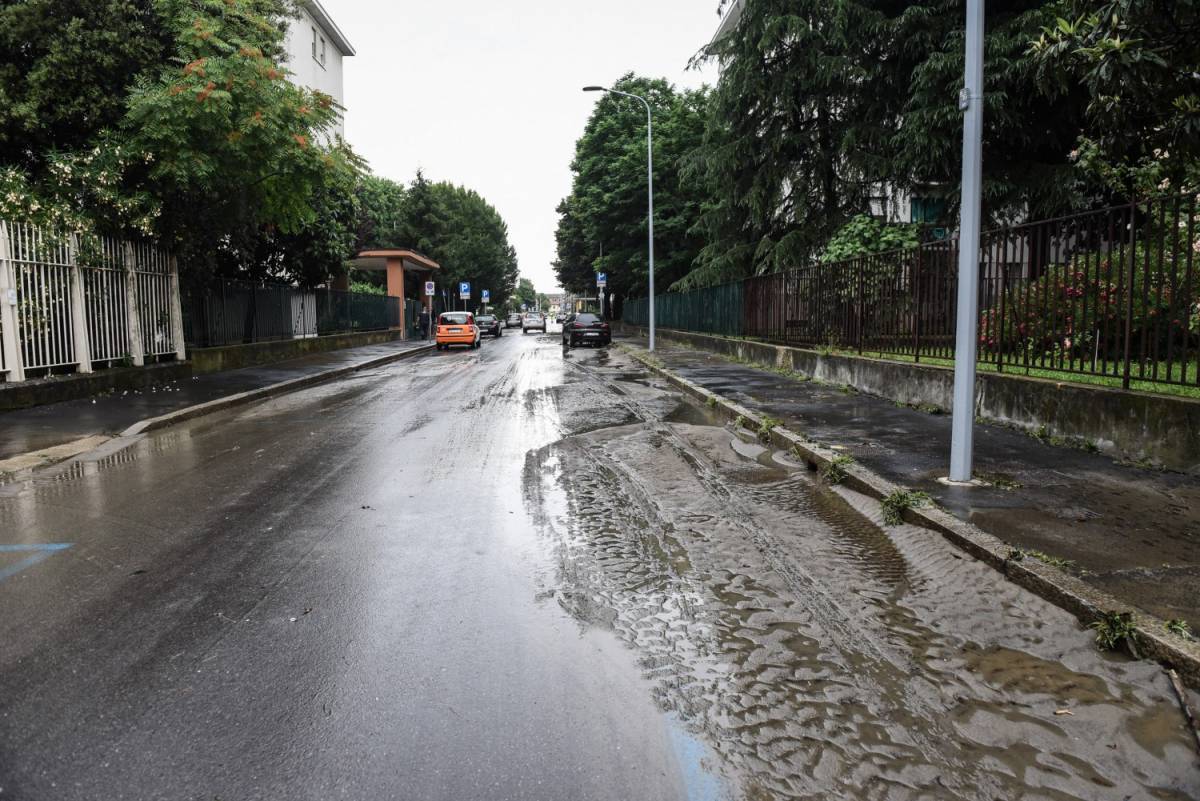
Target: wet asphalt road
501,574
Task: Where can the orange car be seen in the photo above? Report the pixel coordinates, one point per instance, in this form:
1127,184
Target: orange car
457,328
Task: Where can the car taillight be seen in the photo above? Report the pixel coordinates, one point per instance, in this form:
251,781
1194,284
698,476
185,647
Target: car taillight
578,325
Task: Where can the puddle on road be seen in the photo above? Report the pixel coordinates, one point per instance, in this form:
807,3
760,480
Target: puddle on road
812,655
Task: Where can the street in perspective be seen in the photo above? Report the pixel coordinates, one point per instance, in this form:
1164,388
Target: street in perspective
474,430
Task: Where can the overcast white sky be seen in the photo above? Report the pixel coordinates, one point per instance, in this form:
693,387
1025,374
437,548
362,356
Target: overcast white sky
487,94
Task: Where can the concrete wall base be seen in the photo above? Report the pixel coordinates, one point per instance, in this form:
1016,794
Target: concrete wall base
231,357
1162,430
40,391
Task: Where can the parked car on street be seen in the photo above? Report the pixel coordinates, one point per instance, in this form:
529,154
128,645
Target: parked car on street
514,321
585,328
489,324
534,321
457,328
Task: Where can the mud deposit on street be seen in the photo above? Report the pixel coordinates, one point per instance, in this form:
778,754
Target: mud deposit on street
809,654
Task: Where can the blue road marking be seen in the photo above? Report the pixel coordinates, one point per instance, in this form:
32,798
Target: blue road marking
38,553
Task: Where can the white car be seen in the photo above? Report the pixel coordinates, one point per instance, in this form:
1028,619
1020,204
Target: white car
533,321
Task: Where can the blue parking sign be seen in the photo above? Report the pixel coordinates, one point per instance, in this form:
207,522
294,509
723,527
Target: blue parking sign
485,295
464,290
601,279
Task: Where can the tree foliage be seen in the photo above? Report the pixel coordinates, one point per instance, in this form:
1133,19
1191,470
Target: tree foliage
603,222
1136,61
184,127
450,224
828,110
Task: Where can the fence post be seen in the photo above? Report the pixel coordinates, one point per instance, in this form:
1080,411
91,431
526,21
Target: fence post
9,333
1129,289
861,260
79,332
916,290
176,302
133,318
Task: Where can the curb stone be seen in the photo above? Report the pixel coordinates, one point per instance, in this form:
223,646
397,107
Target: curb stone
1063,590
282,388
208,407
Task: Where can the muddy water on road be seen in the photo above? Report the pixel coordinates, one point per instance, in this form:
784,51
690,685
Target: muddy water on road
807,653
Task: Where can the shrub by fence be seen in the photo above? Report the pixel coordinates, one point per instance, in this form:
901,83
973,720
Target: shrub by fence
237,312
1113,292
71,303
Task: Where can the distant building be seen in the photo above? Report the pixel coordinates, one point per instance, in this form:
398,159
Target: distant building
316,47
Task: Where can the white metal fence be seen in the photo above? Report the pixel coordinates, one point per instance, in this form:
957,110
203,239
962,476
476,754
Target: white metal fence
72,303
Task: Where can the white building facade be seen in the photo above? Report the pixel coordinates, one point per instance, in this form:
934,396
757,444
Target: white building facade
316,47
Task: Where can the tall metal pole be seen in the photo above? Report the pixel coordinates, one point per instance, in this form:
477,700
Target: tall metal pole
967,324
649,187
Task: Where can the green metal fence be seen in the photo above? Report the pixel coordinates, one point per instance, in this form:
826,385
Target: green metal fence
713,310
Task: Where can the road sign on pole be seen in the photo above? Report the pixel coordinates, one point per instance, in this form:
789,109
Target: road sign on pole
429,288
485,295
464,290
601,279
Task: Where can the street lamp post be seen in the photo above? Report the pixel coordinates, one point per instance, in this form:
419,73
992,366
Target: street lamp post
649,185
967,325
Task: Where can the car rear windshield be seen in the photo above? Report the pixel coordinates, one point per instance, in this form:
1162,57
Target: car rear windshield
534,316
455,318
586,319
485,318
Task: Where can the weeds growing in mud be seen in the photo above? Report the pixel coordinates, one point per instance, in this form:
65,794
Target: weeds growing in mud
1180,627
1001,482
1114,629
768,425
740,422
899,501
1018,554
712,401
1053,561
834,471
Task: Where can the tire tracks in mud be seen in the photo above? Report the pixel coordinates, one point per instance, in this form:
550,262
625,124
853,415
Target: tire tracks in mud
888,669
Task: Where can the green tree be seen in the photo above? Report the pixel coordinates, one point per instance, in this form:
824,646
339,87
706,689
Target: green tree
211,149
450,224
1135,61
525,294
602,223
823,105
381,204
66,70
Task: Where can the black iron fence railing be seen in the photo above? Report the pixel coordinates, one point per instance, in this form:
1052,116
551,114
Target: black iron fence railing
1114,292
234,312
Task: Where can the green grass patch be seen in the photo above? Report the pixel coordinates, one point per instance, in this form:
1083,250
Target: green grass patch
768,425
834,471
896,504
1113,381
1180,627
1114,629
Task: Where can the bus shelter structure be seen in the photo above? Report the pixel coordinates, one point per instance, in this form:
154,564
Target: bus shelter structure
407,272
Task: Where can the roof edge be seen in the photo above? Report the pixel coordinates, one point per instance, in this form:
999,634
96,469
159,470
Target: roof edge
318,12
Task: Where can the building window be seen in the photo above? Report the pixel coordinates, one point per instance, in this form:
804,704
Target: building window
314,43
322,51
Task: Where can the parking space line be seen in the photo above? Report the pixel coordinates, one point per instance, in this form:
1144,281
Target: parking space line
38,551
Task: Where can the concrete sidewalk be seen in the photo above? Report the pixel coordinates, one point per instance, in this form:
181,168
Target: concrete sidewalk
41,428
1132,532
